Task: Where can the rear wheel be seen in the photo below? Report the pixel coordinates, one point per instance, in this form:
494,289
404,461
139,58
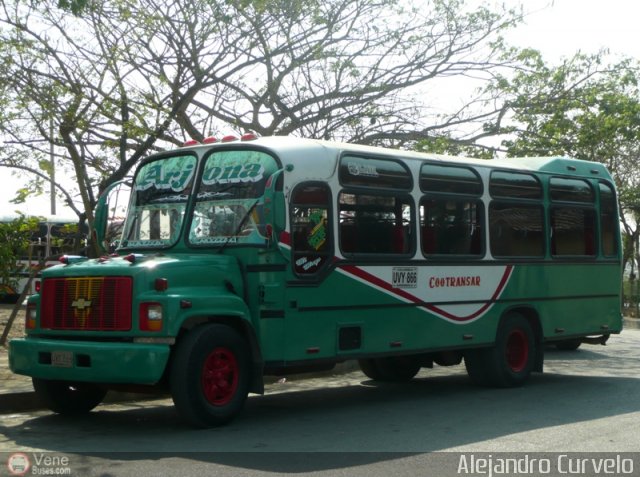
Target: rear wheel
510,361
569,345
369,368
391,369
210,375
68,398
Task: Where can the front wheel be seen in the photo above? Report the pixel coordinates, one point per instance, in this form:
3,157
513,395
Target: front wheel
68,398
210,375
510,361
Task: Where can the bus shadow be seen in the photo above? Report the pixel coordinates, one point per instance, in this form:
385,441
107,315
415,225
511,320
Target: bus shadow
338,427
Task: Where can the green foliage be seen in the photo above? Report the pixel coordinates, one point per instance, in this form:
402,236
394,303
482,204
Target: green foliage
14,242
77,7
582,108
106,83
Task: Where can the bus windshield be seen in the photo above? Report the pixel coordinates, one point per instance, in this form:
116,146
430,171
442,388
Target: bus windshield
158,202
228,206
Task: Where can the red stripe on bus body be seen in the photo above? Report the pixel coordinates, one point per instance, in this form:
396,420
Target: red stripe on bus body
376,281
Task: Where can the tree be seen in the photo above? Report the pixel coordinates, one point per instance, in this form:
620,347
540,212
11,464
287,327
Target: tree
14,242
109,82
584,108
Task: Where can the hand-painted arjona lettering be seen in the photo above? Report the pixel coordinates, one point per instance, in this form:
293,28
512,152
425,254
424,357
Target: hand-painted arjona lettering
175,176
229,174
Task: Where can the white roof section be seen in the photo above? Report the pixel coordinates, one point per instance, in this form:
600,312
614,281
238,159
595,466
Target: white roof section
306,152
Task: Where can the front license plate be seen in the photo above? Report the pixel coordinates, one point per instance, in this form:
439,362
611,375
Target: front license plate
62,359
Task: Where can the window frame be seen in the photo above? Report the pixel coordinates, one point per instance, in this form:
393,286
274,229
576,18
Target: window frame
523,204
556,204
405,197
506,197
425,190
459,197
615,236
555,200
375,187
329,252
554,207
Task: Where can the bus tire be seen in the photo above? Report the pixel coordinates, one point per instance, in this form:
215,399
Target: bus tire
391,369
569,345
68,398
475,361
369,368
210,375
510,361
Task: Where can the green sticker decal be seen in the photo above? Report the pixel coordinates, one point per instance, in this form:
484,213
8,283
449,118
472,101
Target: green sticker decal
318,234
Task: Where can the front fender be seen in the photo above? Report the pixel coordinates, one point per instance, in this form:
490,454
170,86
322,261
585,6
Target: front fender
195,309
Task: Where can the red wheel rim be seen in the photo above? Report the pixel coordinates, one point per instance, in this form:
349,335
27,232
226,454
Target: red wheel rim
220,376
517,350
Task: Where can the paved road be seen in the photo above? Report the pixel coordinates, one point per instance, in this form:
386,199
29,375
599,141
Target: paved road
586,401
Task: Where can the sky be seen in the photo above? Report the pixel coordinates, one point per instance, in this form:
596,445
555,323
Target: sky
558,28
567,26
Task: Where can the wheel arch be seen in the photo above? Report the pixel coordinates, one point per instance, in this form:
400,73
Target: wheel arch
242,327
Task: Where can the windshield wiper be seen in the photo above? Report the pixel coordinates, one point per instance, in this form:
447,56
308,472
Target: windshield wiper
240,225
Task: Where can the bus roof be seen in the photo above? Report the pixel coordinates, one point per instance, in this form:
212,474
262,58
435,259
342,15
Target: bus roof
311,155
303,152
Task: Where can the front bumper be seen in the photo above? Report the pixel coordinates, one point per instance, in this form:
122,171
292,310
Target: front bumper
97,362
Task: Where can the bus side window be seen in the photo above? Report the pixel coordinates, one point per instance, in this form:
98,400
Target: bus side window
375,224
572,217
451,226
310,228
573,231
609,228
516,230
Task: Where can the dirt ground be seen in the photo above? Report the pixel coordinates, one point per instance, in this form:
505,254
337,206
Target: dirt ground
17,329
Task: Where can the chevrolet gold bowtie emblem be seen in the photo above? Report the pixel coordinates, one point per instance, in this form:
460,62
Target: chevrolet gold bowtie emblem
80,304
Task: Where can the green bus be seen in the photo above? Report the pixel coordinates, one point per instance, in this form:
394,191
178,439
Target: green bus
253,257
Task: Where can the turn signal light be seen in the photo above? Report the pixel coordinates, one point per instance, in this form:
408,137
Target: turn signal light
32,312
150,316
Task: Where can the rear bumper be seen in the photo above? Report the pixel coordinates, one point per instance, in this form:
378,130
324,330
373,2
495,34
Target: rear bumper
98,362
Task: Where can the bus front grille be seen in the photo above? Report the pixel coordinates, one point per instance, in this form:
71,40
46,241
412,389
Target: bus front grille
86,303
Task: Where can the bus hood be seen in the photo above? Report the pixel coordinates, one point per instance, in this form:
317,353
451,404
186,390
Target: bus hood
179,270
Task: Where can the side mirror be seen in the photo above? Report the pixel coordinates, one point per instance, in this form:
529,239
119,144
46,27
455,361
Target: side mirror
274,204
109,216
